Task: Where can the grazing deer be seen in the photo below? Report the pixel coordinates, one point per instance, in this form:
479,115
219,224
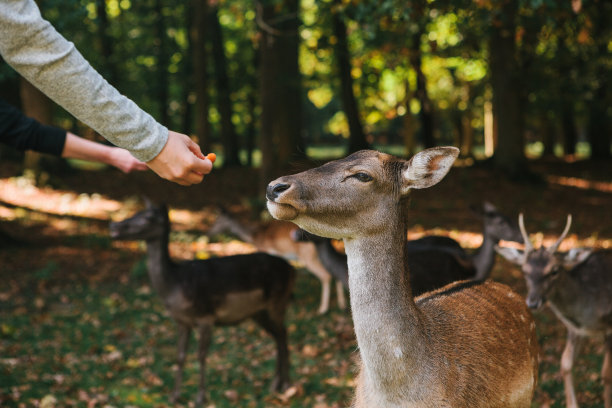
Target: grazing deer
430,267
218,291
496,227
577,286
275,238
468,344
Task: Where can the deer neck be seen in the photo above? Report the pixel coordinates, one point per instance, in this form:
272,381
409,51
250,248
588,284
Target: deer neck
334,261
388,325
484,257
158,264
241,231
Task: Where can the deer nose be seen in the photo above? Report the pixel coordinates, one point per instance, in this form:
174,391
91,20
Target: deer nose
534,303
274,190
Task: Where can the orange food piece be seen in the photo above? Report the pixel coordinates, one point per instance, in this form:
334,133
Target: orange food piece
212,157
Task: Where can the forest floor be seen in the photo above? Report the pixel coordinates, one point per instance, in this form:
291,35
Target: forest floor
80,325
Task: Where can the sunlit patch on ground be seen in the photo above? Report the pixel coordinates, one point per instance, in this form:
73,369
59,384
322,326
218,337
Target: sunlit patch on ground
20,192
581,183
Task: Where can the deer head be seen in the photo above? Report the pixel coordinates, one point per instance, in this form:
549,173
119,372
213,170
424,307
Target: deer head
542,267
497,225
353,196
151,223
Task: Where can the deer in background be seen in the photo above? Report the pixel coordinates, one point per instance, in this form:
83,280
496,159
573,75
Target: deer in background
434,260
200,294
430,268
468,344
275,238
496,227
577,286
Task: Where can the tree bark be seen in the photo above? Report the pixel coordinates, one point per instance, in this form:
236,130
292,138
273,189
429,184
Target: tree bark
426,114
106,43
186,80
229,137
198,36
36,105
600,119
570,133
509,155
280,87
357,138
162,63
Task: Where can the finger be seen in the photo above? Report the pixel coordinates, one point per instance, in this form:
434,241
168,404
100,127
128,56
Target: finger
201,166
193,178
195,149
141,166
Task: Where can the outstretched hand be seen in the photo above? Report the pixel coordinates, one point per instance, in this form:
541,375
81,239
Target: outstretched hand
181,161
124,161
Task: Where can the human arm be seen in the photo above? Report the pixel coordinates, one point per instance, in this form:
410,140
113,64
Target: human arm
51,63
76,147
24,133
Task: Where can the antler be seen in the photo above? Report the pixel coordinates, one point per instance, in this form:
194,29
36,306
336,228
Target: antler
568,224
528,245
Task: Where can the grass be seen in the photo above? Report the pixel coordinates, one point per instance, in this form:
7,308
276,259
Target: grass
84,342
112,342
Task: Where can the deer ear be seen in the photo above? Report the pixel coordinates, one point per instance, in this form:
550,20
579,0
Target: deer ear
428,167
576,256
516,256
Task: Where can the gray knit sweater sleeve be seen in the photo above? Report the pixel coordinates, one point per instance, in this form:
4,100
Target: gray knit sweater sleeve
51,63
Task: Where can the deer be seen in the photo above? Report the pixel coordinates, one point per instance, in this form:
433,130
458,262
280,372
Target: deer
201,294
577,287
275,238
467,344
496,227
433,252
430,267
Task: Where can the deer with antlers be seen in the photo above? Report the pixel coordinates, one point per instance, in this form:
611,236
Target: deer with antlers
468,344
577,286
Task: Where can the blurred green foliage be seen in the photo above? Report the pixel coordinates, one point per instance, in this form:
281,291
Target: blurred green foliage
562,52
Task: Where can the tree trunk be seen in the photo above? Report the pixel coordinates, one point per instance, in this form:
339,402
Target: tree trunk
162,64
600,119
357,138
250,131
106,43
599,124
570,133
426,114
548,136
224,102
186,80
280,87
407,130
200,74
38,106
509,155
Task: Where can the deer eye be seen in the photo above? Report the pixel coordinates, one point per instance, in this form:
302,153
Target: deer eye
363,177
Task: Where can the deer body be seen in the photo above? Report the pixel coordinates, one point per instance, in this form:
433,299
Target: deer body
577,286
430,267
275,238
469,344
496,227
201,294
